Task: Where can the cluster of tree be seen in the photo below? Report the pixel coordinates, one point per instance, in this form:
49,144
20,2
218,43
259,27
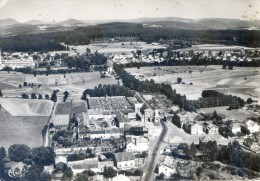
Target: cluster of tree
38,155
83,176
231,154
212,98
85,61
33,96
81,156
131,173
25,84
107,90
84,35
63,137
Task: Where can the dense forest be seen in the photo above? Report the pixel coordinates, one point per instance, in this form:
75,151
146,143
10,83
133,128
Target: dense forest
84,35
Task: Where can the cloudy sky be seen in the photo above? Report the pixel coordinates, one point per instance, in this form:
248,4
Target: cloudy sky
58,10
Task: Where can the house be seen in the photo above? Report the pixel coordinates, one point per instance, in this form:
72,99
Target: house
195,129
60,162
61,121
252,126
167,166
251,143
104,134
137,145
148,114
124,160
120,178
206,139
156,116
234,128
92,164
210,129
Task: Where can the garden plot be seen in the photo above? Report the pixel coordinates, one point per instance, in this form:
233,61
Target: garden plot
73,107
25,107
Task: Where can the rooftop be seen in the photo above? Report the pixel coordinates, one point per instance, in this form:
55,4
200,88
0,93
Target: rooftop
124,156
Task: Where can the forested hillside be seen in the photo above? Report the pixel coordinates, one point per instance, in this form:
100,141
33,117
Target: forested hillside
84,35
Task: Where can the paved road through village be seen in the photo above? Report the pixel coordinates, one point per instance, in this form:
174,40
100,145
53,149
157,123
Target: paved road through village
151,162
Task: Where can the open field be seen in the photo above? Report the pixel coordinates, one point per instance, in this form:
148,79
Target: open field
242,81
237,114
27,107
214,47
74,83
117,47
21,129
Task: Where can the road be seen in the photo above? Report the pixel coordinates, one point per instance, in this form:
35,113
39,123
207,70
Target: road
47,136
151,162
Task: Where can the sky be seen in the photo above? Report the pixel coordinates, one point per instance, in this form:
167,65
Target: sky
59,10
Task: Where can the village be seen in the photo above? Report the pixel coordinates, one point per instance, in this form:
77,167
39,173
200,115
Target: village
142,136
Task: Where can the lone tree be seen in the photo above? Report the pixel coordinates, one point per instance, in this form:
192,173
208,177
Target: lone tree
1,94
54,96
40,96
25,96
47,96
66,95
33,96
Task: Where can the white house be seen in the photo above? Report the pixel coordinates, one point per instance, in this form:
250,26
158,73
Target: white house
124,160
167,167
196,129
137,144
252,126
206,139
120,178
211,129
235,128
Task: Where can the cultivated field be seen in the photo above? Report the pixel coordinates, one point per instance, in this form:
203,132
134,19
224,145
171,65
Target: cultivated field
21,129
242,81
74,83
118,47
26,107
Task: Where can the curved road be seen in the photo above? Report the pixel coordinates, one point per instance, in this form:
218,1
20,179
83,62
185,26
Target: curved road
152,161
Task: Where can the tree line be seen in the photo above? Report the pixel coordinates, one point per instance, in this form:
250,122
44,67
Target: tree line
107,90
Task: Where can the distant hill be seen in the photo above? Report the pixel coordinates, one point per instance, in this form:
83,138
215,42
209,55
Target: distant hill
200,24
35,22
71,22
8,22
164,19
